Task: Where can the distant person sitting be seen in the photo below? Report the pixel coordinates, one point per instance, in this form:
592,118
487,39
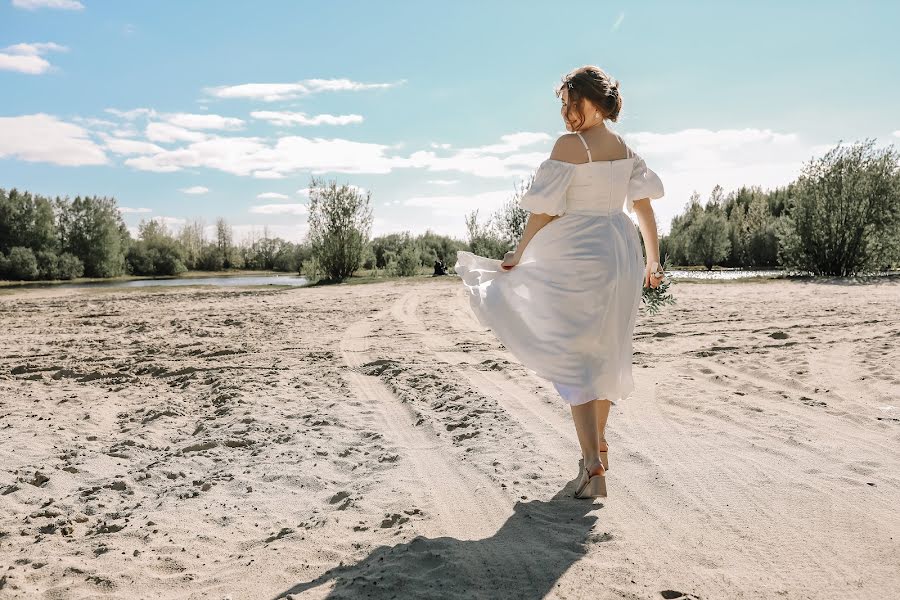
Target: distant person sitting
439,268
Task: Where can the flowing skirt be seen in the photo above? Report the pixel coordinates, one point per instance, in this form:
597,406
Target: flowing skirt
567,311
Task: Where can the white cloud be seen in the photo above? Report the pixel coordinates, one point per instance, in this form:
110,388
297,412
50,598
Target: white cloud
286,156
132,114
280,209
166,132
271,92
26,58
462,204
126,133
272,196
36,4
255,157
897,133
35,49
118,145
169,221
287,119
195,190
32,65
443,181
128,210
619,20
268,174
699,159
203,121
92,122
243,232
484,161
303,192
147,163
44,138
510,143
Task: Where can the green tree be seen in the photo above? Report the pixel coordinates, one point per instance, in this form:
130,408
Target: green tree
484,239
157,252
340,221
21,264
707,239
92,229
26,221
843,216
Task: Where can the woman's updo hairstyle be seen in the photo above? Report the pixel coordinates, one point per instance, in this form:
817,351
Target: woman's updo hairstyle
597,86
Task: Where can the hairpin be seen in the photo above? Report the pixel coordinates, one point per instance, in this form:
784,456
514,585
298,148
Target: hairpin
570,85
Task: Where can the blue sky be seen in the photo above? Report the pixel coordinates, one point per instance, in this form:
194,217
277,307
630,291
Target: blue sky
200,109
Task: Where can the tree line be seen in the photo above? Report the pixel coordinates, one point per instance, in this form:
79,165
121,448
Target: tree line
841,216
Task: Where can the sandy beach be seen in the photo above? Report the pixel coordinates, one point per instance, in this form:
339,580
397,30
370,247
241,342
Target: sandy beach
375,441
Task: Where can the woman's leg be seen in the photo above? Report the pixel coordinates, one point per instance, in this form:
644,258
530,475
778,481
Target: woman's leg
587,417
602,416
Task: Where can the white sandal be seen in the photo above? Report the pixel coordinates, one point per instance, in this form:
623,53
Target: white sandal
593,486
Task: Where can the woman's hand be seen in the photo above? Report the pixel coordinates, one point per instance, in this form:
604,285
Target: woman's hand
650,274
509,261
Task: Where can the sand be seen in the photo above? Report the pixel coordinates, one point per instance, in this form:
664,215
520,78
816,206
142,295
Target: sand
375,441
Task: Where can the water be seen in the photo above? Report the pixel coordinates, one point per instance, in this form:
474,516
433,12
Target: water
727,274
235,280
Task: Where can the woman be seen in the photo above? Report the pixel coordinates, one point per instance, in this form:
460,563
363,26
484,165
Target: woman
565,302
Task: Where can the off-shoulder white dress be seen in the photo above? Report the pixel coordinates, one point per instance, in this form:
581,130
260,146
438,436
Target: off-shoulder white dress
567,311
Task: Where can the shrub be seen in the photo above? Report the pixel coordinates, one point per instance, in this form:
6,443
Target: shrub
21,264
843,216
69,266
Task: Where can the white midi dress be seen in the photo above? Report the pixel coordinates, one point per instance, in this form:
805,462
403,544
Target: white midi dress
567,310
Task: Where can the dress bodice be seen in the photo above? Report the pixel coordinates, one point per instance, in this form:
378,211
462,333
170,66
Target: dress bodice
600,188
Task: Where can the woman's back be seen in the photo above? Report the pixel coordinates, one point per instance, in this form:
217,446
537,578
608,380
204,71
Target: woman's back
600,146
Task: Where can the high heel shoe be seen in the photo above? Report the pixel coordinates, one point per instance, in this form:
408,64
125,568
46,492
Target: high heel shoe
592,486
604,458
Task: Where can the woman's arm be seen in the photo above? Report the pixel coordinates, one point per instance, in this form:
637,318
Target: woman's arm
647,223
535,222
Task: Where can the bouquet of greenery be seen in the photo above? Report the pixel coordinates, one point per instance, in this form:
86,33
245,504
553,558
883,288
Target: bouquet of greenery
656,297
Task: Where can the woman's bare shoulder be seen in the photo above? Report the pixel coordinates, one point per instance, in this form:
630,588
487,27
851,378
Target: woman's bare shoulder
568,148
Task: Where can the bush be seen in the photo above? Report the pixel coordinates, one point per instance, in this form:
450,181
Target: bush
407,263
168,261
47,262
707,239
69,266
286,259
843,217
211,258
485,240
21,264
311,268
340,220
140,259
154,258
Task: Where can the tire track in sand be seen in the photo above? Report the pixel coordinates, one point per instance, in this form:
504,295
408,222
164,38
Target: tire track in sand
548,431
465,503
655,539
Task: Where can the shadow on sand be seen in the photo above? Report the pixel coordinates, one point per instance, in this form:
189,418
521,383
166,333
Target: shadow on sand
539,542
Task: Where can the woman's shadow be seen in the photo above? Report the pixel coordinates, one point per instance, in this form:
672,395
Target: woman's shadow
539,542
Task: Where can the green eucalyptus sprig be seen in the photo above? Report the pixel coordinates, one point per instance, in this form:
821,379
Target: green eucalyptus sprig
656,298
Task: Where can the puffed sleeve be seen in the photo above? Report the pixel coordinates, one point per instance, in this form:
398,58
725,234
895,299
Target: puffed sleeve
547,193
644,183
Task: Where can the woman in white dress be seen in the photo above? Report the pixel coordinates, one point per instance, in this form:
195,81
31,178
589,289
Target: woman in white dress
565,302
